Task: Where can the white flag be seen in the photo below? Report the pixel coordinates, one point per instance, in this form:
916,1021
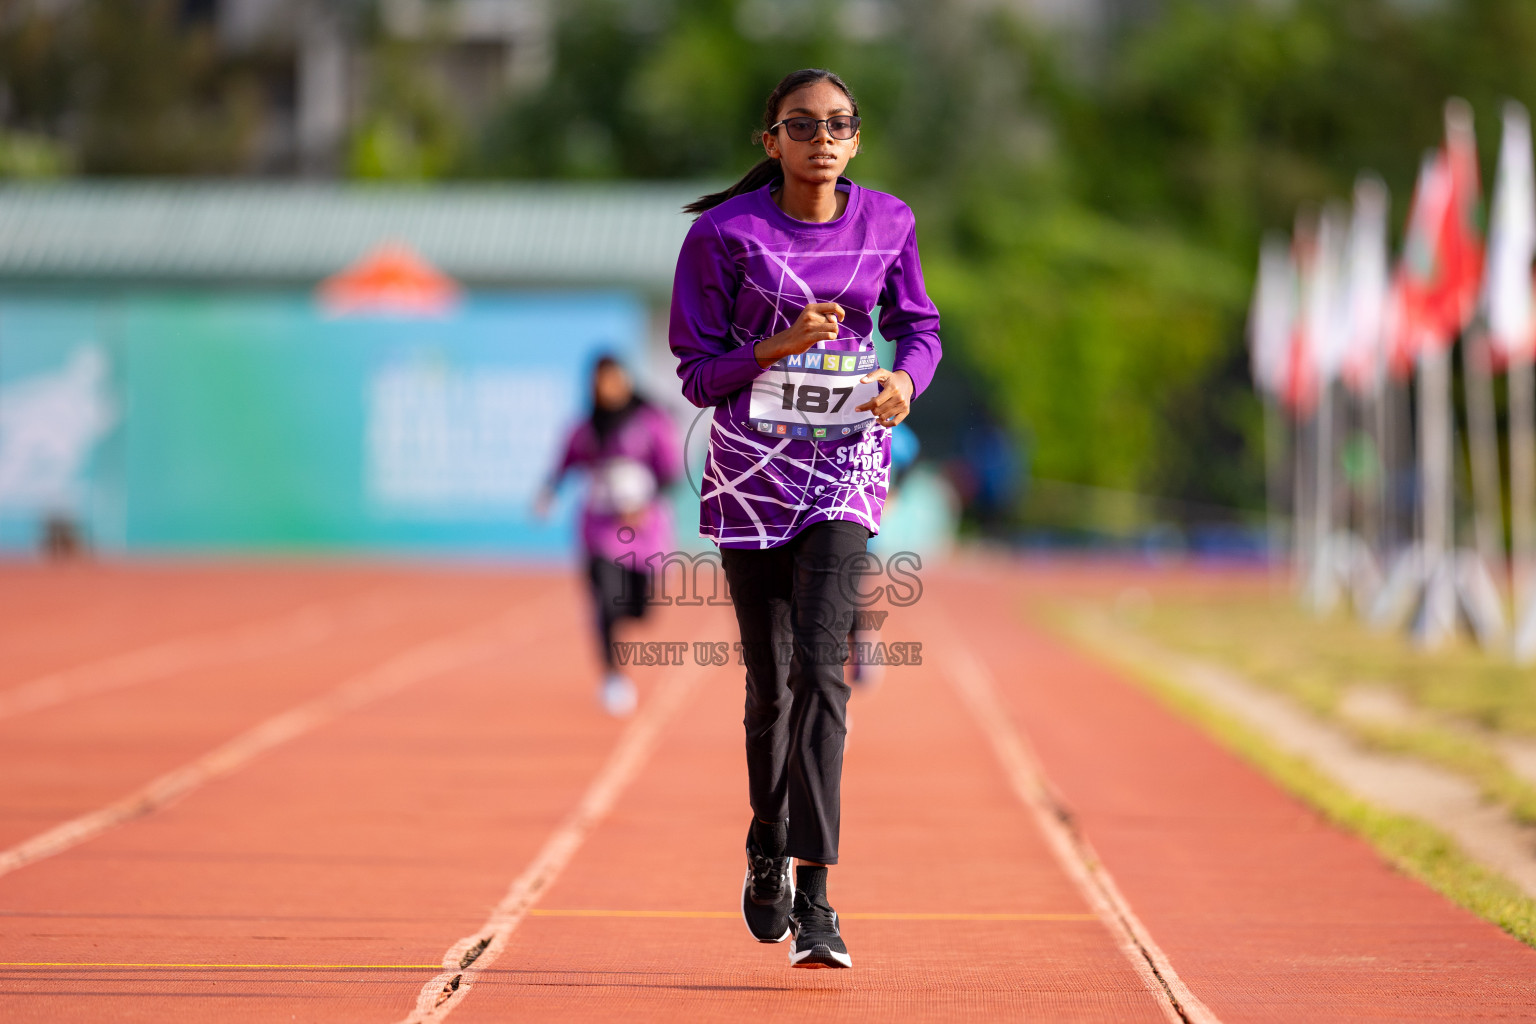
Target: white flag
1366,300
1512,241
1324,297
1272,317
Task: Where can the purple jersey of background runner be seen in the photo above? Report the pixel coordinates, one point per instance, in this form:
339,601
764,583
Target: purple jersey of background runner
745,272
648,438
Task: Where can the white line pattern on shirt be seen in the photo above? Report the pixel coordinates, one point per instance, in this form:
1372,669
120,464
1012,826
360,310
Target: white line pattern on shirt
763,473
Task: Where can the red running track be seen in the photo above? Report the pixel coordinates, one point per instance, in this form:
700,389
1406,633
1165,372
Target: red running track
384,780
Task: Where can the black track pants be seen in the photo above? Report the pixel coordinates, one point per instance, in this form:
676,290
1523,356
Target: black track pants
795,605
618,593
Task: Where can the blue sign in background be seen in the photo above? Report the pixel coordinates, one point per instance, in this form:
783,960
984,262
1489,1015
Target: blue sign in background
257,422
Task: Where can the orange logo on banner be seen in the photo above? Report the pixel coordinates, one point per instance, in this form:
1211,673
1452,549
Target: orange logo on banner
391,279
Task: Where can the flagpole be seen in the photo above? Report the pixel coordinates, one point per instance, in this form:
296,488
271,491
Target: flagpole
1302,504
1365,363
1373,519
1522,498
1401,582
1322,589
1387,415
1483,447
1274,479
1436,620
1402,515
1362,485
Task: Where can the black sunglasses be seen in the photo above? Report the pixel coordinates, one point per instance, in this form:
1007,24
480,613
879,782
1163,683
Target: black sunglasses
803,129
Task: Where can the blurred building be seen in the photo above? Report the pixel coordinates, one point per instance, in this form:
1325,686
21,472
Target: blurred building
309,68
173,375
481,48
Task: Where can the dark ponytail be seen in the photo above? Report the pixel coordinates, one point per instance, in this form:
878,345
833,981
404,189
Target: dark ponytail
767,169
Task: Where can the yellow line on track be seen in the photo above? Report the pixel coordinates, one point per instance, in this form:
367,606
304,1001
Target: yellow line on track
969,917
732,915
653,914
220,967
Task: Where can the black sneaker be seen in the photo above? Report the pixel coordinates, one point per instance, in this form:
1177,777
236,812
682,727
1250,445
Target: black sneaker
817,941
767,894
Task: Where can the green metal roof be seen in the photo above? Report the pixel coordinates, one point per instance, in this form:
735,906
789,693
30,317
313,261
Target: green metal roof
256,233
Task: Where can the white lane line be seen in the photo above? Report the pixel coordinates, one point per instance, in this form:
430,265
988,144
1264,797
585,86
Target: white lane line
414,665
977,688
293,631
442,994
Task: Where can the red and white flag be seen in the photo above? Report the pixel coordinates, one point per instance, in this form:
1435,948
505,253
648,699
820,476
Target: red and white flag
1507,302
1414,327
1454,297
1435,291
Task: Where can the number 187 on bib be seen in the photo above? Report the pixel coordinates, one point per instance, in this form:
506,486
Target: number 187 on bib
814,395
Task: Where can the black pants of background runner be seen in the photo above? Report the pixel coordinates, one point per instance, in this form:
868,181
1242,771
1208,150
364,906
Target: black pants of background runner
617,593
796,599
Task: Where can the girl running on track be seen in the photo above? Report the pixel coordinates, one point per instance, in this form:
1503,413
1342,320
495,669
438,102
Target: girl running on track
772,316
630,452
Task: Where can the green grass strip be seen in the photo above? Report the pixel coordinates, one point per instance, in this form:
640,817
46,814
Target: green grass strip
1462,701
1408,844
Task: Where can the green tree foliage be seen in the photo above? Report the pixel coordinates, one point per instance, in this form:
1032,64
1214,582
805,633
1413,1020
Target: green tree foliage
1221,120
643,89
409,130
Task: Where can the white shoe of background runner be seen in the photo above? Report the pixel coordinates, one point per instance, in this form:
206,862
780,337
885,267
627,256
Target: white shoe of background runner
618,696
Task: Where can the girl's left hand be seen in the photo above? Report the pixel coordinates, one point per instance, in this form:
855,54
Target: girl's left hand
894,401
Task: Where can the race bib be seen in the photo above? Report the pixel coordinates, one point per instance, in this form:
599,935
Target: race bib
814,395
621,486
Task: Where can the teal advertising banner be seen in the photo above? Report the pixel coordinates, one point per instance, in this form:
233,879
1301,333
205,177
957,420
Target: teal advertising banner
212,421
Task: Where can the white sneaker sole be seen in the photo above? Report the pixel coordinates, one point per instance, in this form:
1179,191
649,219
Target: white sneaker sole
823,958
819,955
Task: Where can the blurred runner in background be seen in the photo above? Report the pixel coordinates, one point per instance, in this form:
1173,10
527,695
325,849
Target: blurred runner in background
629,450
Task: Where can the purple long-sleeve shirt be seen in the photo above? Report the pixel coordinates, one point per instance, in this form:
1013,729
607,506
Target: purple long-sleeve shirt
745,272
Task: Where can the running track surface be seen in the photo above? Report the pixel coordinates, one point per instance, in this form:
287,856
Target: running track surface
286,792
